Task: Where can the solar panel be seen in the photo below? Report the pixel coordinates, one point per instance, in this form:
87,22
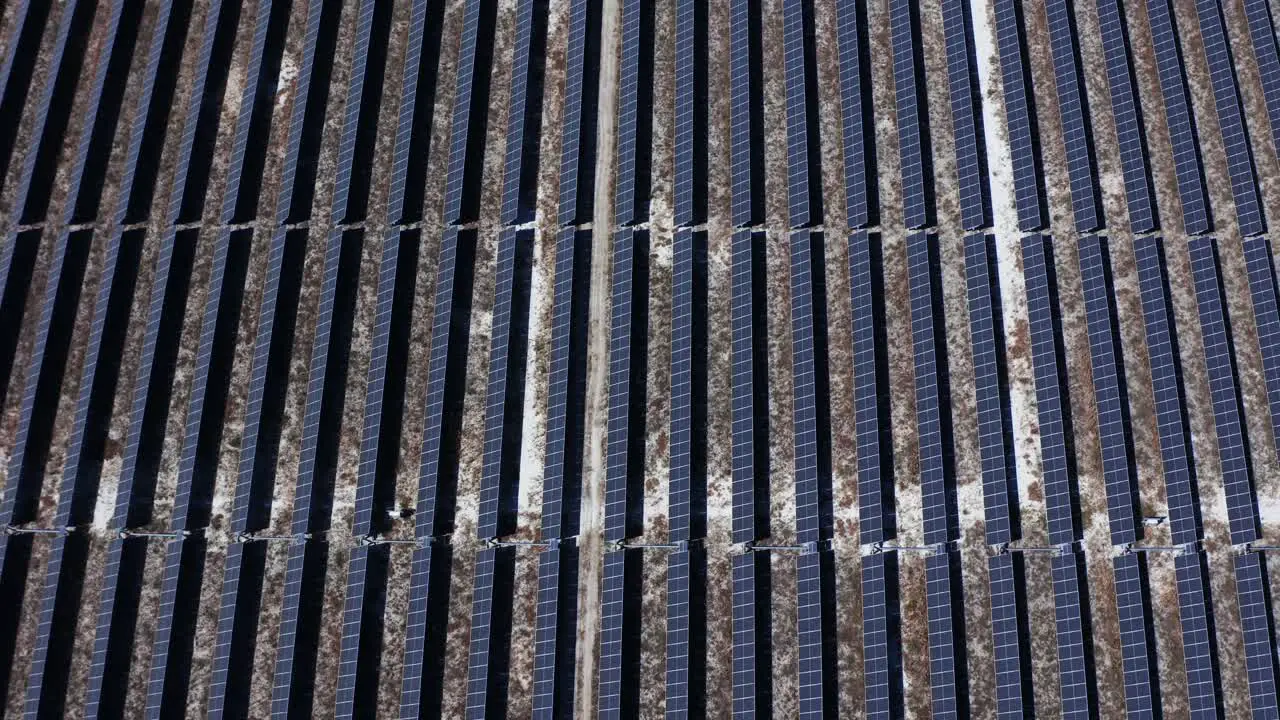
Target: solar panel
489,650
1180,118
422,680
1198,647
113,639
1255,626
1049,400
751,642
1166,388
445,381
803,178
1263,34
946,685
962,81
554,654
470,113
856,123
867,395
360,126
930,372
1231,121
1073,673
746,134
1023,150
812,490
681,443
504,410
915,186
690,119
361,617
524,118
679,581
293,680
816,663
50,660
1006,638
882,679
750,484
17,261
619,642
1262,287
986,330
1130,599
563,460
19,65
630,177
1128,117
622,509
1109,392
174,633
1232,451
231,635
1076,132
577,153
417,108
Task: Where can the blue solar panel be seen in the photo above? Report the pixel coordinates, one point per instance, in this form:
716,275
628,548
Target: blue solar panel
1128,118
930,373
504,408
19,65
622,507
1262,287
359,127
113,639
297,179
804,175
17,261
816,661
746,133
858,132
947,689
171,645
1073,674
750,482
1263,34
361,616
524,121
577,151
554,651
417,107
915,185
1231,121
489,649
882,679
1076,134
867,394
618,693
1006,636
1049,392
1134,639
751,644
682,424
965,120
293,679
50,677
630,191
679,581
1023,150
563,461
421,683
1166,387
1198,645
690,117
812,489
1108,392
1255,626
986,330
1180,118
1232,450
230,603
470,113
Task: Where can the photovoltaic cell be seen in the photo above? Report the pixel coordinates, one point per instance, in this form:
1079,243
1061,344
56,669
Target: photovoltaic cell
22,48
997,467
934,479
371,437
1255,626
1015,78
361,616
1232,452
1231,121
113,638
801,178
364,93
1263,34
853,114
947,693
1049,400
1073,678
1075,124
1006,639
283,696
166,688
229,608
1197,637
915,186
1180,119
965,123
626,189
687,31
1113,429
421,684
1130,599
1128,117
811,526
17,261
867,392
1262,287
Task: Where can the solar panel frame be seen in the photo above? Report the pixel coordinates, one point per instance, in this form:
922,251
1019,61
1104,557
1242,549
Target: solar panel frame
1127,111
56,582
23,46
423,634
1110,394
1179,117
873,525
627,181
113,636
166,686
678,670
1262,289
997,463
1077,134
1255,626
746,505
916,185
1231,121
680,500
361,616
292,683
858,188
1073,674
225,637
17,263
1023,145
1006,635
1198,645
357,79
932,429
1233,451
812,493
965,121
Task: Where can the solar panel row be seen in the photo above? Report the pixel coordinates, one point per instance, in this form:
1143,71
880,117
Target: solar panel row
47,681
360,653
908,73
624,477
1019,117
948,683
1266,315
986,333
1012,660
1070,621
686,509
417,108
808,363
933,426
562,467
815,626
752,641
1128,118
1072,106
1179,117
875,465
746,99
804,169
504,411
310,98
524,113
17,261
174,639
1136,643
117,618
578,132
1231,121
635,99
965,121
1263,34
554,652
422,681
882,674
686,633
1255,625
293,680
690,185
617,695
750,388
16,72
490,648
1233,453
857,124
238,608
1109,391
1199,647
360,126
470,113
